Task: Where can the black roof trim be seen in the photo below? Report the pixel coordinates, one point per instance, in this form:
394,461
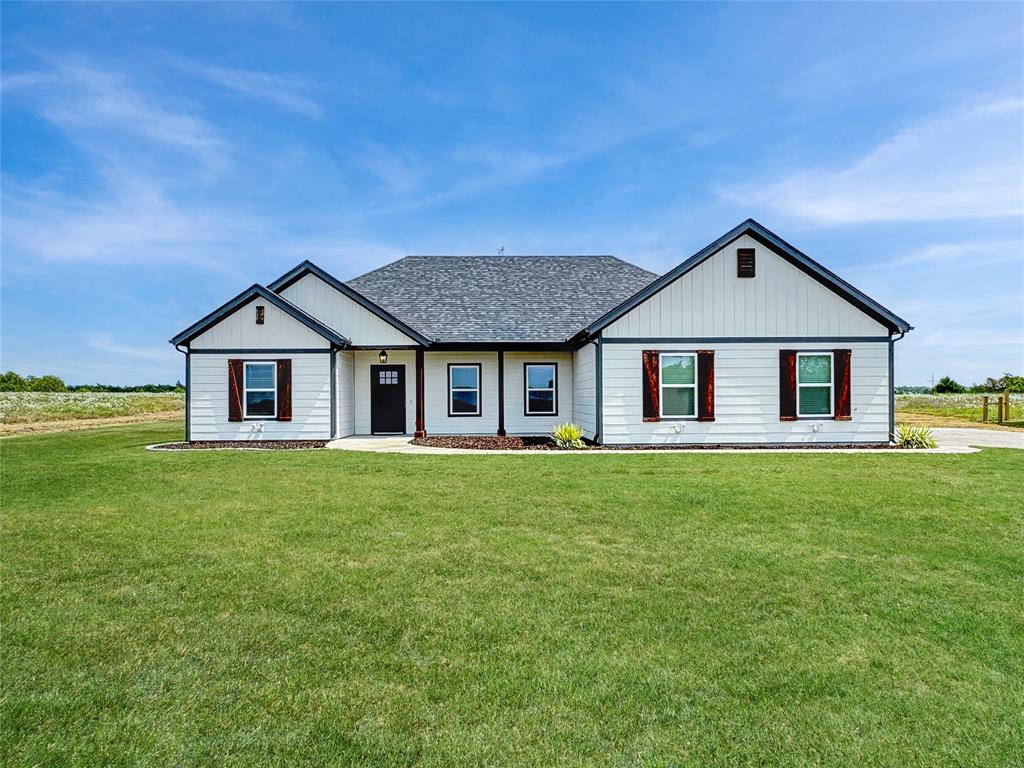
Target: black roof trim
769,239
248,295
307,267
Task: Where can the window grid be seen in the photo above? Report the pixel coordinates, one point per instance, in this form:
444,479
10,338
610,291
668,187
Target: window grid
816,385
693,387
553,389
464,390
272,389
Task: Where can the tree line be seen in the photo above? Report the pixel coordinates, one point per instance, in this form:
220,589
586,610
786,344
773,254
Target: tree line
949,385
15,382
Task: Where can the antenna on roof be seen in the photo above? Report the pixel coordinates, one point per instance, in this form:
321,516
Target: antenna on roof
501,251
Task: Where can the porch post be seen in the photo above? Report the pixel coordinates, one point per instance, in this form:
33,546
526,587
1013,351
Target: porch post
421,429
501,393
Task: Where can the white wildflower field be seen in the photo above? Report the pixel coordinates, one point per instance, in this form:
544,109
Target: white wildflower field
26,407
964,406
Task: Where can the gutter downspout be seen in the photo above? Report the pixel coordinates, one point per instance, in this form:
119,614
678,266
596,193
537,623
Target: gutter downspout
188,391
892,385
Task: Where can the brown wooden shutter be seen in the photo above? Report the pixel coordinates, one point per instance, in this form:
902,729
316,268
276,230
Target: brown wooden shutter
650,383
705,385
236,373
841,360
787,385
284,390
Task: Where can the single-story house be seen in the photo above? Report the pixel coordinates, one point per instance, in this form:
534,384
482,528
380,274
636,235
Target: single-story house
747,341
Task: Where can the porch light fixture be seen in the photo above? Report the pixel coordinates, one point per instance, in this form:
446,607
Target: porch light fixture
383,357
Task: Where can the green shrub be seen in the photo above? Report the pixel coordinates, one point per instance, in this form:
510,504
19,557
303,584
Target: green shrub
568,436
947,385
914,436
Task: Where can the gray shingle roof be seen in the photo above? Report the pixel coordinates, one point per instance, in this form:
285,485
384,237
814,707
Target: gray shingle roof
501,298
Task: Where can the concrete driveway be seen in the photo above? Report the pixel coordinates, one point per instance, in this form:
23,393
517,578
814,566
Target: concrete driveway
948,437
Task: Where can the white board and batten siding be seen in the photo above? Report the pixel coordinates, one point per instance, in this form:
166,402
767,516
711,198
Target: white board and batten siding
709,301
584,382
311,399
240,331
336,310
746,397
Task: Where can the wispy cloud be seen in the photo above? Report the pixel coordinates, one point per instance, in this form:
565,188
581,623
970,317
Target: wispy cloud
972,253
106,342
92,105
959,165
290,92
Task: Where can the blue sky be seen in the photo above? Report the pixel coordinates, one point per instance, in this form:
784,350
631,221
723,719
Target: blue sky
159,158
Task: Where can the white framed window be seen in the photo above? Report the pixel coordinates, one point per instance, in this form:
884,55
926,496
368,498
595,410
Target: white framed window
464,389
261,390
814,385
678,374
541,397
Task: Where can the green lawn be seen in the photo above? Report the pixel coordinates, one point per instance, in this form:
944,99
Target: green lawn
300,608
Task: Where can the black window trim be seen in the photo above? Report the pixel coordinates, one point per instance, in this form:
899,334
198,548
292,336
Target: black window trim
526,388
479,390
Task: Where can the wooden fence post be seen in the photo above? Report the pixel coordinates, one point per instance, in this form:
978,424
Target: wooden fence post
1006,409
984,408
999,408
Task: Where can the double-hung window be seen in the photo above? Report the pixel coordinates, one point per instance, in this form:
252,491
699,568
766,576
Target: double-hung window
464,390
261,390
541,389
814,383
678,385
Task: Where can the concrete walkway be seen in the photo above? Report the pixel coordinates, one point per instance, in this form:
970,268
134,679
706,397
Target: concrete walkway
402,444
948,437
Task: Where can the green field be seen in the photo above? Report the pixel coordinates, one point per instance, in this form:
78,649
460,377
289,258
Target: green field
335,608
28,407
947,410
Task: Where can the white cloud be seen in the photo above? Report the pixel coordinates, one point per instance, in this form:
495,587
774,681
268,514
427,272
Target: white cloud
82,100
105,342
962,165
286,91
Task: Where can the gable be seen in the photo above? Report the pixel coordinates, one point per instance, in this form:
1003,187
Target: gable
362,327
238,330
710,301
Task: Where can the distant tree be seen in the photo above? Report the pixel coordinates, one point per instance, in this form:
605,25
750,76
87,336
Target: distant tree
45,384
947,385
12,382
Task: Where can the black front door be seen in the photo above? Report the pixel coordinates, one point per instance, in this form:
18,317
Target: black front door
387,399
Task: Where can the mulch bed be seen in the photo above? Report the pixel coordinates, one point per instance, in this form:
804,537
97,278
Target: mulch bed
495,443
488,443
262,445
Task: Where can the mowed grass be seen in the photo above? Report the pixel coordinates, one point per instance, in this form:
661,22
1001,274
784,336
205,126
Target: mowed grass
334,608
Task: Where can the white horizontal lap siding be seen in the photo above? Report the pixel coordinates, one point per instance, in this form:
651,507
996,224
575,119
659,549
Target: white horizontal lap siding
239,330
584,396
746,397
361,371
711,302
311,399
516,422
435,396
337,311
345,373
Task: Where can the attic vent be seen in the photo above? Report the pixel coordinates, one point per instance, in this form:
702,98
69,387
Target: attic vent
259,314
744,262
